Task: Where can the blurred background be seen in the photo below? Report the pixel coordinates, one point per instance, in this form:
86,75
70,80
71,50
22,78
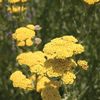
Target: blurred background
57,18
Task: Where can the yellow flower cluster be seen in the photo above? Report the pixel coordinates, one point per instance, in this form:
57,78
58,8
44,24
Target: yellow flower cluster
83,64
16,1
90,2
68,77
57,67
15,9
34,60
55,61
20,80
31,58
63,47
24,35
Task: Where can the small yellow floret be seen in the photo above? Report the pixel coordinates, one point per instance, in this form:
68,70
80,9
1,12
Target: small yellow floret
68,78
30,26
21,43
29,42
83,64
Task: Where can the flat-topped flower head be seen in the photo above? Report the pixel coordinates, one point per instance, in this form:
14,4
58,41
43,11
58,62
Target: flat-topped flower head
20,80
24,35
15,76
31,58
63,47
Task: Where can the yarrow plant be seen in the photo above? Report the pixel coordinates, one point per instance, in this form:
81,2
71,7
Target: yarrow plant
50,68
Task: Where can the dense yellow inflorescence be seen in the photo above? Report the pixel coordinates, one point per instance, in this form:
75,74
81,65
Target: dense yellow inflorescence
68,77
63,47
31,58
39,69
24,35
49,69
90,2
20,80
